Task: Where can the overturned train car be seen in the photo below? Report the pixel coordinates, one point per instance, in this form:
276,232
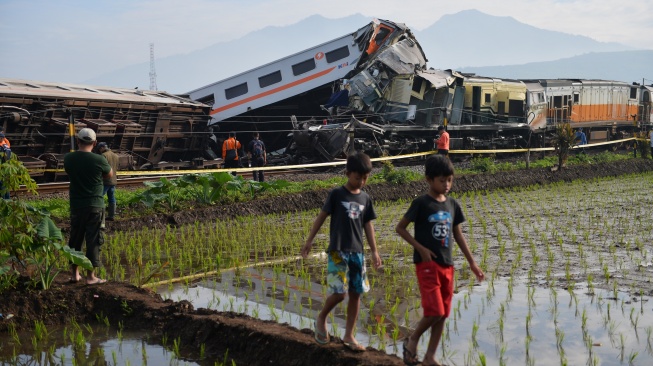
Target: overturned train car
147,129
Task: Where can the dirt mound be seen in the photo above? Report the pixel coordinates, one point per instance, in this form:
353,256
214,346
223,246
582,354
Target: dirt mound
247,340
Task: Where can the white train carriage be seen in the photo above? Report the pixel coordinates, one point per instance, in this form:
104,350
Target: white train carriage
294,74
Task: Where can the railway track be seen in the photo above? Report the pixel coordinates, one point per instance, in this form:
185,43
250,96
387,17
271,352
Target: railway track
131,182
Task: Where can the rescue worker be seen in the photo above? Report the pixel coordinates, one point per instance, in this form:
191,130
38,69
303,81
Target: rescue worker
442,141
230,148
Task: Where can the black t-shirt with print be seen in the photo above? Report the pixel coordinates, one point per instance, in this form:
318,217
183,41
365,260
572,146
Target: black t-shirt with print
349,212
434,222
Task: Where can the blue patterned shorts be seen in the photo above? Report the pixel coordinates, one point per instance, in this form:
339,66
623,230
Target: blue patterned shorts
347,269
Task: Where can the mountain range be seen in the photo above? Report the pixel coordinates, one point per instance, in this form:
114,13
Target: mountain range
493,46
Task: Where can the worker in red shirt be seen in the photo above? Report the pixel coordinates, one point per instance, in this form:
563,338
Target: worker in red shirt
442,141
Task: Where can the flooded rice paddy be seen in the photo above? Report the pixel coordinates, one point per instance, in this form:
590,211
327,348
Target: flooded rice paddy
569,268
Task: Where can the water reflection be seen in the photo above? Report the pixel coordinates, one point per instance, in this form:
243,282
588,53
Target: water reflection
504,322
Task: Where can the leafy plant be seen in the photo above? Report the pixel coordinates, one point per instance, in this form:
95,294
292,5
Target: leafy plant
397,176
27,234
484,164
203,188
165,190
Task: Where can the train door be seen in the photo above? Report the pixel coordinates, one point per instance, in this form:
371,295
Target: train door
645,110
477,92
560,108
516,110
458,105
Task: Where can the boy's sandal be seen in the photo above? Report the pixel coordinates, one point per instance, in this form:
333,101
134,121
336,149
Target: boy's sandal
321,337
409,357
354,346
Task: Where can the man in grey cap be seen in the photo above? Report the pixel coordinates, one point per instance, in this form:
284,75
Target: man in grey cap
86,171
111,182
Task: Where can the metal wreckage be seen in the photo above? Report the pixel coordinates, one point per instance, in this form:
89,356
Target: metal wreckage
372,91
369,91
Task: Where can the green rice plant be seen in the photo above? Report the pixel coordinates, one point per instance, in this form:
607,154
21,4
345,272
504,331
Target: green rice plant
176,345
40,330
474,333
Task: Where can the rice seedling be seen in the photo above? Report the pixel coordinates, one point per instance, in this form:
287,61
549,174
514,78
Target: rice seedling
510,243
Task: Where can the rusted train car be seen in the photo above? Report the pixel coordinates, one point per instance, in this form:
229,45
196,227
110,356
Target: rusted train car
148,129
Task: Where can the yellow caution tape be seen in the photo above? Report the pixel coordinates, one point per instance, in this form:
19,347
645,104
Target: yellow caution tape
337,162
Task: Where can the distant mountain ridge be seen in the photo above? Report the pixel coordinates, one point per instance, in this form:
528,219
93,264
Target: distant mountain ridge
628,66
450,43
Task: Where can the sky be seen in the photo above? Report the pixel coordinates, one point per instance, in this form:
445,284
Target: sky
75,40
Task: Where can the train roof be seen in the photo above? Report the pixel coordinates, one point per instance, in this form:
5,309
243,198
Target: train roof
29,88
570,82
366,27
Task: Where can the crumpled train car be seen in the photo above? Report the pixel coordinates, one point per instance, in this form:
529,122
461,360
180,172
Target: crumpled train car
147,129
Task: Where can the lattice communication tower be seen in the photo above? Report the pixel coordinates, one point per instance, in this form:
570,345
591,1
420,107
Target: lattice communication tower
152,69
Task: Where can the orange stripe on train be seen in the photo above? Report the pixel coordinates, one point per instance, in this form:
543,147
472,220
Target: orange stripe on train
272,91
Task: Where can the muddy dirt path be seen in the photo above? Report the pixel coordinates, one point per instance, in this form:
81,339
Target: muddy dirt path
248,341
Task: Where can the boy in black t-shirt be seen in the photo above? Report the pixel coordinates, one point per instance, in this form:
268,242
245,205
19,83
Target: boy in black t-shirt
351,213
437,221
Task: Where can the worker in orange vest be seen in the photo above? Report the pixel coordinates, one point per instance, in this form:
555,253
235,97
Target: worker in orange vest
442,141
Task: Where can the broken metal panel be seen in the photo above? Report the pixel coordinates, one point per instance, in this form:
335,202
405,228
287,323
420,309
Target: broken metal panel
398,99
364,85
439,78
403,57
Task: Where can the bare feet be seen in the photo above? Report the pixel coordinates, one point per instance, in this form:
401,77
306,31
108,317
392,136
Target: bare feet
75,279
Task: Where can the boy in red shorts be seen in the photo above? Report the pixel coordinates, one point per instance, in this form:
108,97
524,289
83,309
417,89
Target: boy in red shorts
437,221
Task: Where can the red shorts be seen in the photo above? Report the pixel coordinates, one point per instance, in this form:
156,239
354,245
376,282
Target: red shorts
436,287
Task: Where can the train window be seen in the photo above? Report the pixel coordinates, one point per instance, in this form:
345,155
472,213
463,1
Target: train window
337,54
303,67
417,85
633,93
269,79
236,91
209,99
488,98
576,98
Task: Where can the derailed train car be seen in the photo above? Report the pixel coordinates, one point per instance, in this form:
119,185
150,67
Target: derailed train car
371,90
147,129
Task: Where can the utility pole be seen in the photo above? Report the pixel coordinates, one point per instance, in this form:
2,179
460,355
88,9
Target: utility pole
152,70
